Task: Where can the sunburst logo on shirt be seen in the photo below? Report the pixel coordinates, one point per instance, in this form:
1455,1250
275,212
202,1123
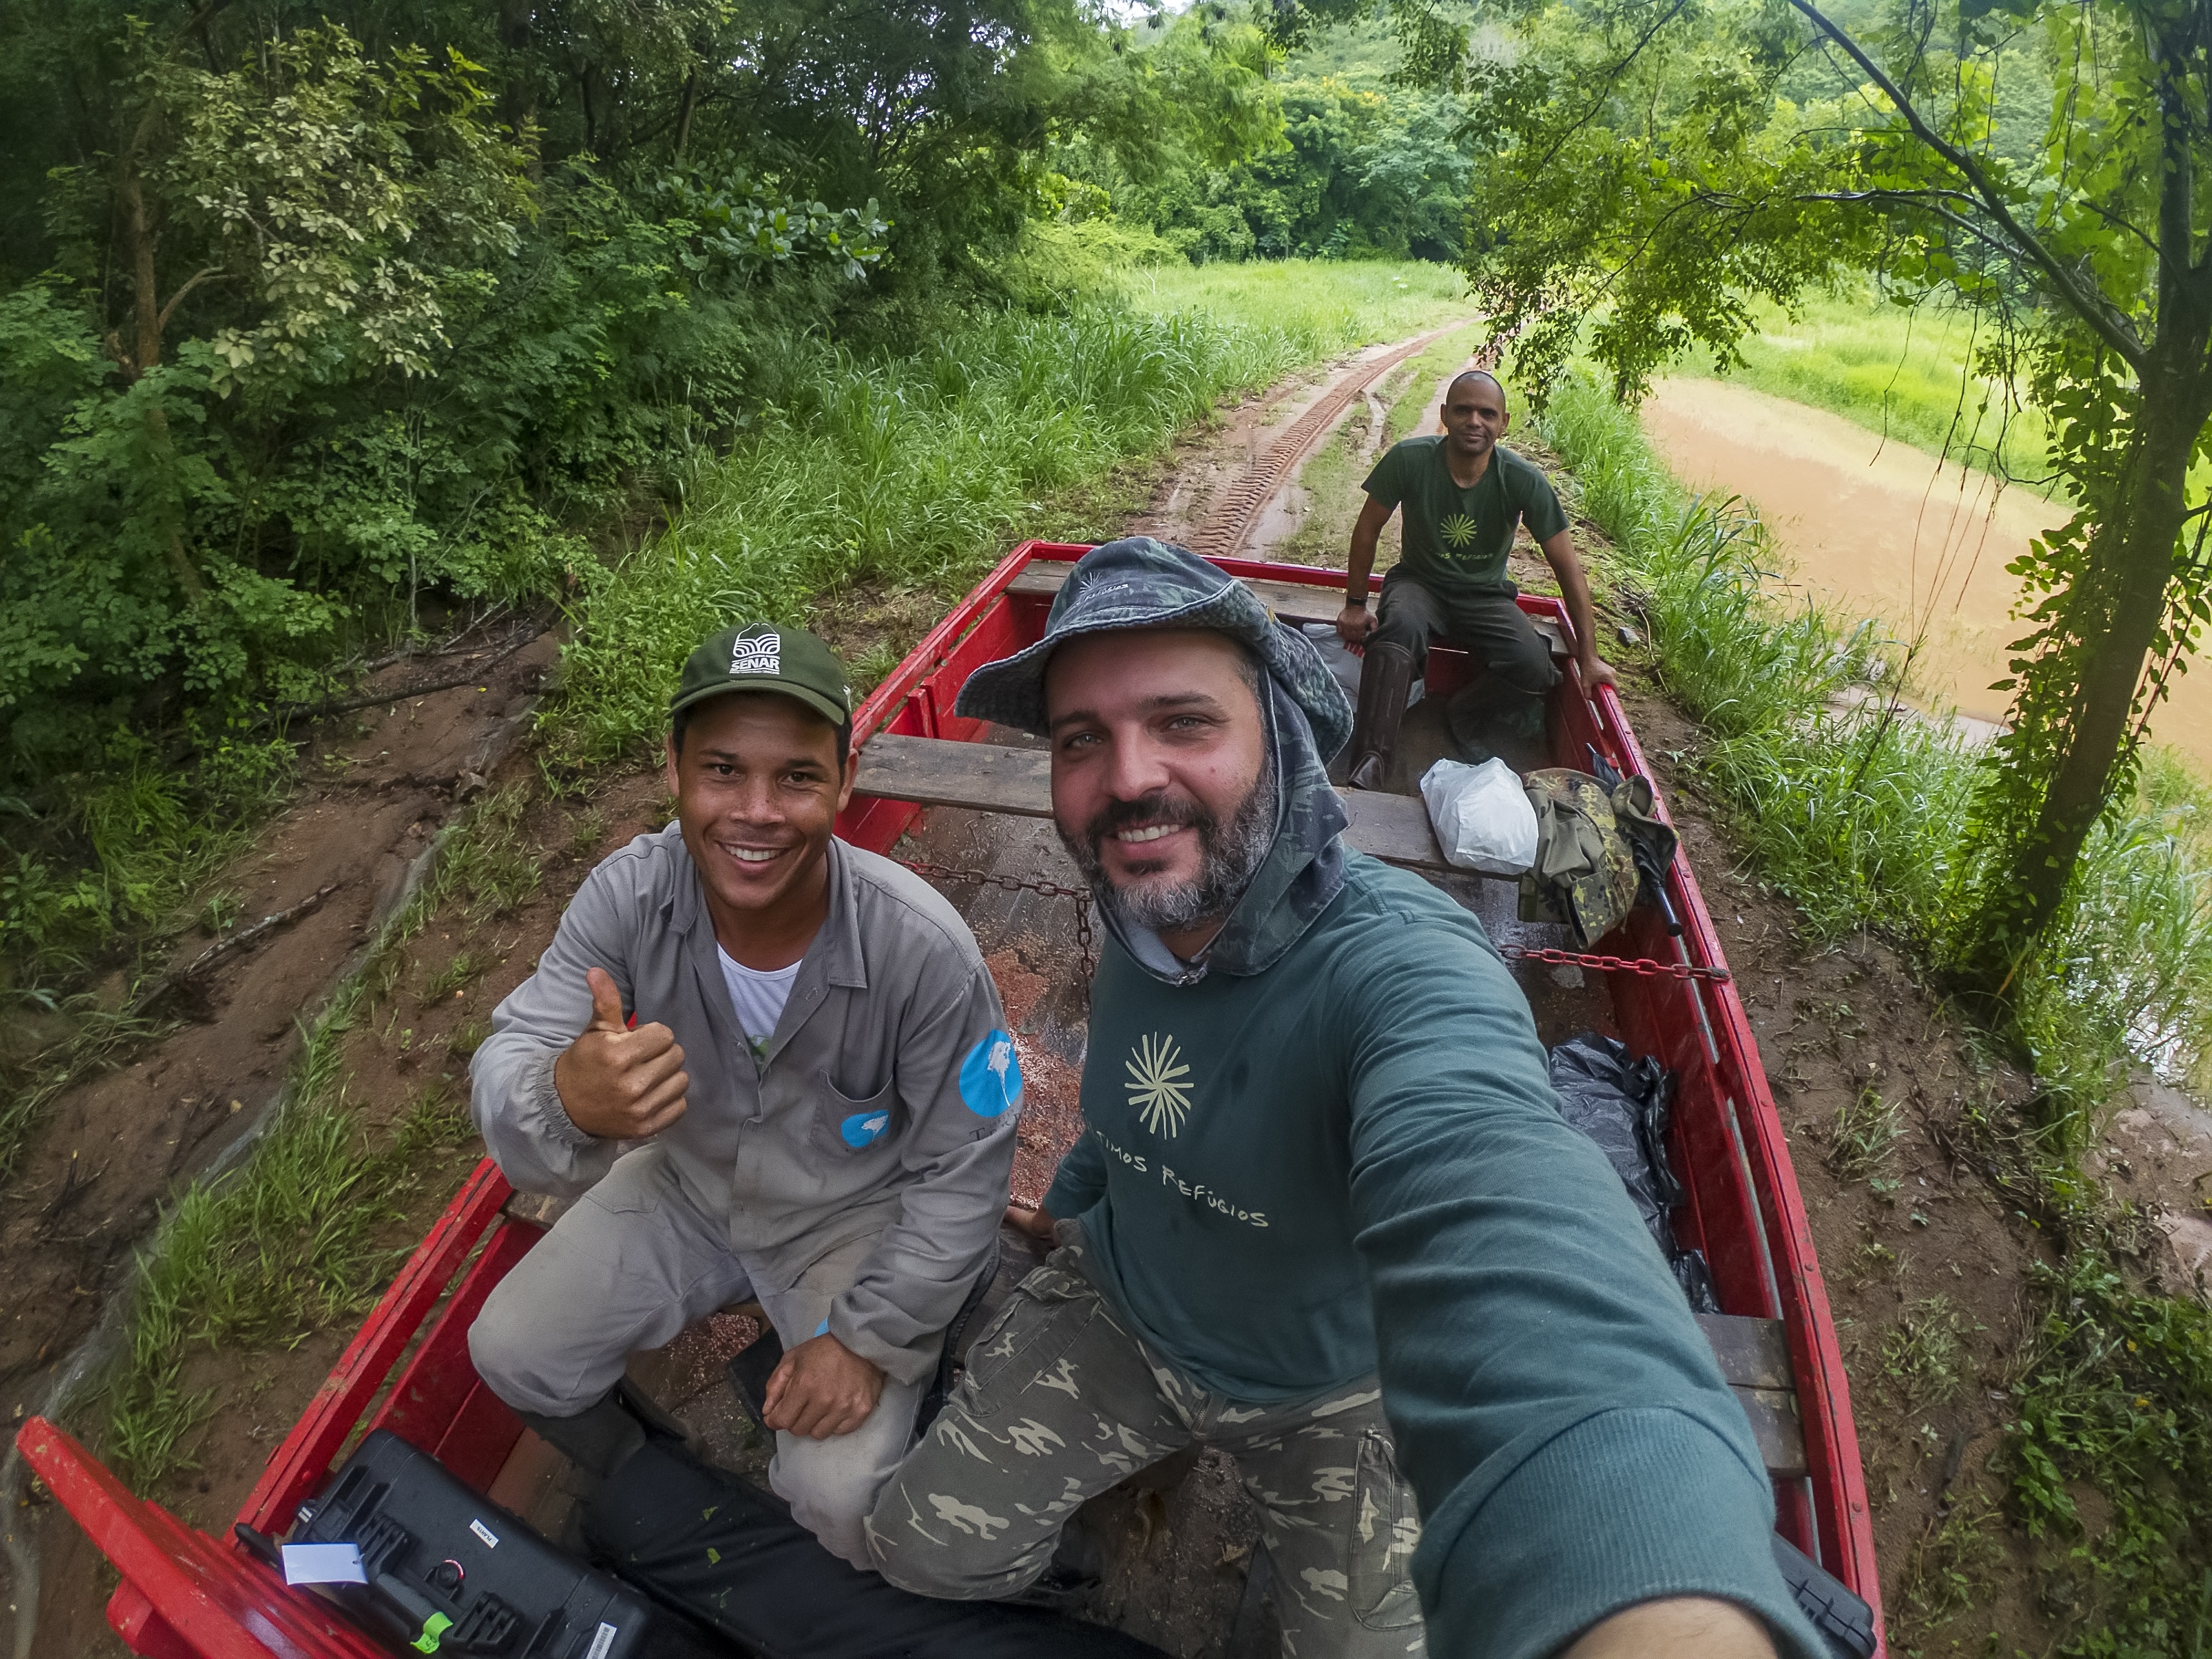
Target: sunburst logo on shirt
1459,529
1162,1100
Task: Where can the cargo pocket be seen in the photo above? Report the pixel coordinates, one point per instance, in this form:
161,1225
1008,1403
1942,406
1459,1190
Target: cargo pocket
1023,1346
1385,1528
846,1125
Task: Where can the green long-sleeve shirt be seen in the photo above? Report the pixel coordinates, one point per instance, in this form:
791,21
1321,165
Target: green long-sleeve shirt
1351,1161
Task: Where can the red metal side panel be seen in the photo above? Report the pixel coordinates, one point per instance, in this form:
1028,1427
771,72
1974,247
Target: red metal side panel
300,1464
185,1595
1846,1529
439,1390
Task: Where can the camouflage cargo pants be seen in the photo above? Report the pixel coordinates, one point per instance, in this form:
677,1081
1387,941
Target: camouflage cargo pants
1061,1401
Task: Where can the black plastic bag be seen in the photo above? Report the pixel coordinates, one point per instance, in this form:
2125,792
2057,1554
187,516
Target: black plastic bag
1620,1101
729,1554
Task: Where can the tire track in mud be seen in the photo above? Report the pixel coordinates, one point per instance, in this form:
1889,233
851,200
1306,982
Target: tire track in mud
1227,526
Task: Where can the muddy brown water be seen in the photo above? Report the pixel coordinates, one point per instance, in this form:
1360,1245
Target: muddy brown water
1883,529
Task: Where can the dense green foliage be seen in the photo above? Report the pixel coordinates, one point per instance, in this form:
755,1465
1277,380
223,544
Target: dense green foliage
1355,163
1662,166
324,327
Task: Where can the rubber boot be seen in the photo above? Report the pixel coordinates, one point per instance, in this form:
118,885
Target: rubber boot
1467,714
1386,675
598,1439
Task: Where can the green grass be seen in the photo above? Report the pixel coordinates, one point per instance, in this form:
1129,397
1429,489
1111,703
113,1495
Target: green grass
921,469
293,1239
1903,372
1336,304
1858,820
1866,1131
2113,1393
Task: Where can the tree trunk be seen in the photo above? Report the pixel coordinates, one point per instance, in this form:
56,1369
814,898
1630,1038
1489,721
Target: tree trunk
2119,599
2130,564
145,355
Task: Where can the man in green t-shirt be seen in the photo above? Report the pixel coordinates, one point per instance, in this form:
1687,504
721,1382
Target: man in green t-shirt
1463,492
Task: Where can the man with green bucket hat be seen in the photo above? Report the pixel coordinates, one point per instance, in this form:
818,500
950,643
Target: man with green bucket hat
1325,1215
773,1067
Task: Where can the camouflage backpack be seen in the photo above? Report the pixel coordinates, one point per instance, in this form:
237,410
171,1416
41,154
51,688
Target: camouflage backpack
1584,875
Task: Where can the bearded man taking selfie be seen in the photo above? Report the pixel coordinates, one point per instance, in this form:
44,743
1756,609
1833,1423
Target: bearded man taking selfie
1324,1214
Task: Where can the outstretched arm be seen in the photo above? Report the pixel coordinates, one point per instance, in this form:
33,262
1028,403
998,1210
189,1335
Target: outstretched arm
1574,587
1578,1458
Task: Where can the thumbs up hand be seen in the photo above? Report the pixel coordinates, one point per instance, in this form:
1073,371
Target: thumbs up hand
615,1083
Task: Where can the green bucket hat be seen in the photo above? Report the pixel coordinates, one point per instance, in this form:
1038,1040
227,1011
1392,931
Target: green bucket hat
1142,583
762,657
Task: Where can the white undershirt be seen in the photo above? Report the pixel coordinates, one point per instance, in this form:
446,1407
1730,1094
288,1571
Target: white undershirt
757,996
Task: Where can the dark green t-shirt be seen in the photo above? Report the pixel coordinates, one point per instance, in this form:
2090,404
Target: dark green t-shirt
1456,540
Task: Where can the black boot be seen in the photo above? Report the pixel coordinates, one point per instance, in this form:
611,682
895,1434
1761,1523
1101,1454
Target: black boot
1386,674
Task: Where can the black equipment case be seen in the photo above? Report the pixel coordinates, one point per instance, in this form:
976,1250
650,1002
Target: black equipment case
451,1573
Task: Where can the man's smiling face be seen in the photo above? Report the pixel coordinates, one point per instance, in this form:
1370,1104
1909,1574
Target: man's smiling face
757,793
1474,414
1159,752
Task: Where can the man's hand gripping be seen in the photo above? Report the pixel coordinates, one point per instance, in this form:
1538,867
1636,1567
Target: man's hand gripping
821,1389
615,1083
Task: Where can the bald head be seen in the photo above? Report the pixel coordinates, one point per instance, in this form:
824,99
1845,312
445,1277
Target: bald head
1474,416
1481,375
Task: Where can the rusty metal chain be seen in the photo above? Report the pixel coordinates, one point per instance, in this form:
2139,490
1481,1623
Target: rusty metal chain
1643,966
929,871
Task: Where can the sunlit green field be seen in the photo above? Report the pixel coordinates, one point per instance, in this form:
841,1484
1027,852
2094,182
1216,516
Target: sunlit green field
1903,372
1357,302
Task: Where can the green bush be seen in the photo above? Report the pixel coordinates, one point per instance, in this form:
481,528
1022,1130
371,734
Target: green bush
1861,820
919,469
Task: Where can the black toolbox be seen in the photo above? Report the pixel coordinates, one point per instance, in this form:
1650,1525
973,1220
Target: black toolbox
450,1573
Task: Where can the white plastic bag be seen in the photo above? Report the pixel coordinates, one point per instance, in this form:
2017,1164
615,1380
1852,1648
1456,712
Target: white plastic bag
1481,816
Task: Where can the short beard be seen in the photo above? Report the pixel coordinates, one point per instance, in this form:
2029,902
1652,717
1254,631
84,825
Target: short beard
1228,859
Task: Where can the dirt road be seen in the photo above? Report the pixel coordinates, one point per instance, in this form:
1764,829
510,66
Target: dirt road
1883,530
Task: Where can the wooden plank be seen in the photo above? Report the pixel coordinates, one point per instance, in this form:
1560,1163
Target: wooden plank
1294,602
1775,1425
935,772
1754,1353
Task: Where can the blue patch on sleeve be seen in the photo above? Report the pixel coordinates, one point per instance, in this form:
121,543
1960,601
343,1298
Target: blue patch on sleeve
991,1076
863,1128
823,1329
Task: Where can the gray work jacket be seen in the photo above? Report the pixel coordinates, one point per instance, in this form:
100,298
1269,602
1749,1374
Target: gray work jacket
885,1105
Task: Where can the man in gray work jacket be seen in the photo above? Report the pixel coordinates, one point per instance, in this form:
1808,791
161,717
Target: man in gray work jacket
775,1067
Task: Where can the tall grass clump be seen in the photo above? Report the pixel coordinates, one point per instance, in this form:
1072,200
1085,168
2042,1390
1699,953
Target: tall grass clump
1858,818
292,1238
259,1256
918,470
2126,974
1850,812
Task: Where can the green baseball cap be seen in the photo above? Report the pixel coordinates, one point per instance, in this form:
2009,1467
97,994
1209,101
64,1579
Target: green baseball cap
762,657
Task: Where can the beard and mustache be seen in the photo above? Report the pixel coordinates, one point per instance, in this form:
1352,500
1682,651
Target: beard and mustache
1229,856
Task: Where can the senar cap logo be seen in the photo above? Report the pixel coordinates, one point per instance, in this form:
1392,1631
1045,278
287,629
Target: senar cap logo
762,655
991,1076
759,656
